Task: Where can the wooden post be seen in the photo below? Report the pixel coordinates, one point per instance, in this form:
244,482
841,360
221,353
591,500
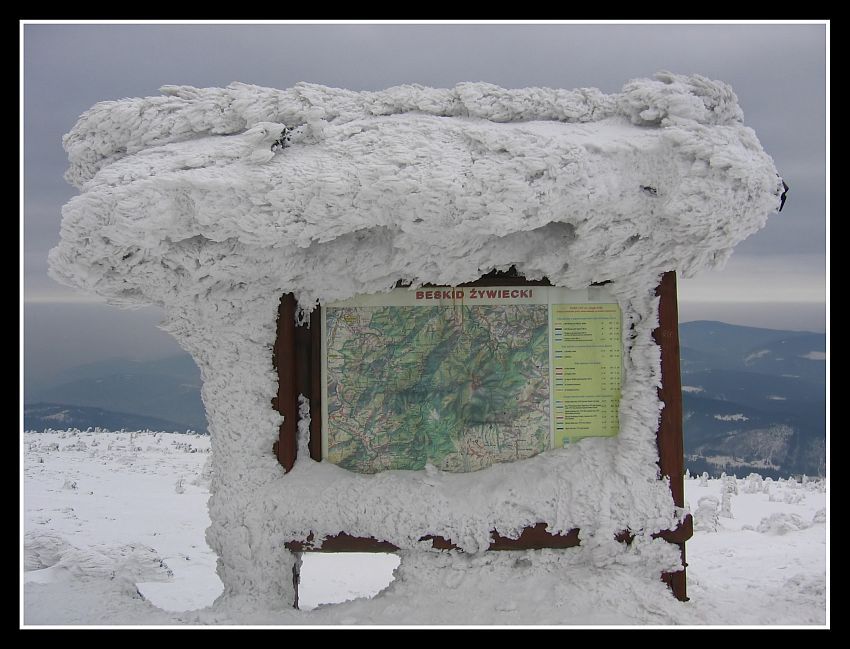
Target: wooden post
671,451
296,576
287,388
316,388
295,356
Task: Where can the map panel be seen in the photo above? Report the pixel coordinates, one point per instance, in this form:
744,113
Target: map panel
463,378
456,387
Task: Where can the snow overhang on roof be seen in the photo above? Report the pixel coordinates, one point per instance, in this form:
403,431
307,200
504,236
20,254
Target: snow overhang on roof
195,191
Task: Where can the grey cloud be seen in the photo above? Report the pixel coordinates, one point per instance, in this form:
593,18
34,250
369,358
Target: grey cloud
777,71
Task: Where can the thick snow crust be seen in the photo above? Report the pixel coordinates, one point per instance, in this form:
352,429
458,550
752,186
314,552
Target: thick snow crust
190,201
109,539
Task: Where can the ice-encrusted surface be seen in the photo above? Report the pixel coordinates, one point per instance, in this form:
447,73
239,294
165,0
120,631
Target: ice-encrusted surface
185,202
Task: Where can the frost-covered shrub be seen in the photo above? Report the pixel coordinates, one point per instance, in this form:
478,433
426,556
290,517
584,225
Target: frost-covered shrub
42,549
205,476
706,516
793,498
820,516
817,485
753,484
781,523
703,480
728,487
726,505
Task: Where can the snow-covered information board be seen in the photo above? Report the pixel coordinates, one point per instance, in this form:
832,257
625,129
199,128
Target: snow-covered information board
464,377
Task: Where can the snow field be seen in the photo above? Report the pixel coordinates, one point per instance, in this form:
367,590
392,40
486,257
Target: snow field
114,528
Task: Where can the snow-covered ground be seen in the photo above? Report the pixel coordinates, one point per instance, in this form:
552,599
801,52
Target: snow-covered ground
114,535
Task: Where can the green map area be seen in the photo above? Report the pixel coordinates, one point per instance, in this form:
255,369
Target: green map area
458,387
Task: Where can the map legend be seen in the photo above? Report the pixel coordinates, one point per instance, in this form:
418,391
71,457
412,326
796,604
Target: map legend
586,367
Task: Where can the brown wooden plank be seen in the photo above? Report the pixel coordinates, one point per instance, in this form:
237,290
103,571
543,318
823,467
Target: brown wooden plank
510,277
535,538
506,281
316,387
296,579
341,542
671,451
682,533
670,438
531,538
287,391
303,360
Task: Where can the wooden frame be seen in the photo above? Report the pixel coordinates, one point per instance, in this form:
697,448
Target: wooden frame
297,358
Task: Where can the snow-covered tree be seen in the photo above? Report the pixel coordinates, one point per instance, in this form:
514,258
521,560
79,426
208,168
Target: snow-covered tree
706,517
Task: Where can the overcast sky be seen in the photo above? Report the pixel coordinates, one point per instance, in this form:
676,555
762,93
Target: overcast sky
778,72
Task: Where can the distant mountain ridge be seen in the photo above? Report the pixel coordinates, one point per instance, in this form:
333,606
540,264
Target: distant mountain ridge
167,389
754,399
716,345
43,416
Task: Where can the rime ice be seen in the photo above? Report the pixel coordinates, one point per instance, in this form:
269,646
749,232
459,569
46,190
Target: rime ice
211,203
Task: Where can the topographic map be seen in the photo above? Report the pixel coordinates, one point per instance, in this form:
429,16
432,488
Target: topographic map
458,387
